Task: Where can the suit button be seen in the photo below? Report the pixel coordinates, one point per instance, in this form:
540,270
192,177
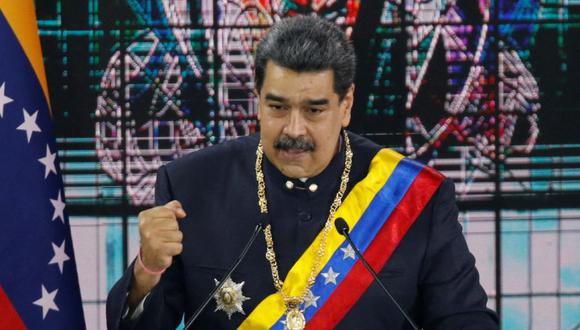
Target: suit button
304,216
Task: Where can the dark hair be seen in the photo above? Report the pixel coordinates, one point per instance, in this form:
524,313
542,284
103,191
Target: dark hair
307,44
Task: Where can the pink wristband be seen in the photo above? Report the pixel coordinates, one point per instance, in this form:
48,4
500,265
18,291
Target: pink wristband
147,270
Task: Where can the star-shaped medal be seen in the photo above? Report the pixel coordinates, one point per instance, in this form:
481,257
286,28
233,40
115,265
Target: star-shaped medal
230,298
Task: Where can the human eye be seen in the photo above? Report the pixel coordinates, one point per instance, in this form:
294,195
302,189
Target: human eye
276,107
314,111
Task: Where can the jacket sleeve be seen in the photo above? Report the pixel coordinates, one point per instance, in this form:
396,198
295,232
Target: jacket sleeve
163,308
451,296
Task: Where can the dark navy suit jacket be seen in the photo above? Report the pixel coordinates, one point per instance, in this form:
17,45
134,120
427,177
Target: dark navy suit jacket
431,273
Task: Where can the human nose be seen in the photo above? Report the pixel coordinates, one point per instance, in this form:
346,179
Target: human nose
296,125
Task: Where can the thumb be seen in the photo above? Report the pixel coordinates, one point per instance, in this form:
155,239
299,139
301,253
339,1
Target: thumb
175,205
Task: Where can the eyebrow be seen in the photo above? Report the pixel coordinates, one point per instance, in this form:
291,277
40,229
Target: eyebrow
317,102
281,99
276,98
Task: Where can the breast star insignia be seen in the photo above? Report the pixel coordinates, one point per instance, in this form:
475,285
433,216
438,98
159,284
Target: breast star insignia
230,298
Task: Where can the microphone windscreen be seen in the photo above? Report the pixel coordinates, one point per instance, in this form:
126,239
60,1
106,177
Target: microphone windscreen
341,226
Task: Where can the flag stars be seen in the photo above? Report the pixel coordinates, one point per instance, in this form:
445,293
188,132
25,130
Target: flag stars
46,301
311,300
59,206
59,255
348,252
29,125
3,99
48,162
330,276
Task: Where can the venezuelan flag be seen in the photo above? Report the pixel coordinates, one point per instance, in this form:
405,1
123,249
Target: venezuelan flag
38,278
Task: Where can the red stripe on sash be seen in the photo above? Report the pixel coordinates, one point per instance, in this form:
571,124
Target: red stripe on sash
9,318
379,251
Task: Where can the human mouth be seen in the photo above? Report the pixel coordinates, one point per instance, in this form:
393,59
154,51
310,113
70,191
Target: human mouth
292,153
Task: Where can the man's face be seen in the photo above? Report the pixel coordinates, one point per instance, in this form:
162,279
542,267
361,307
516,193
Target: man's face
301,118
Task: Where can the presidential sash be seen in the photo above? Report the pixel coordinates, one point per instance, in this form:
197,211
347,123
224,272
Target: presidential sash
379,209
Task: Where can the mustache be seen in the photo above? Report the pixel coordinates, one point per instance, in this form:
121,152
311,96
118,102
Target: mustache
302,143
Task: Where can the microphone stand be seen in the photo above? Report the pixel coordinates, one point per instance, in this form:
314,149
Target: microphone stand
200,309
343,229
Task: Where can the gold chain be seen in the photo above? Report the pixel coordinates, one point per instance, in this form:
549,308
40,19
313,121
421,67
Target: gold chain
290,301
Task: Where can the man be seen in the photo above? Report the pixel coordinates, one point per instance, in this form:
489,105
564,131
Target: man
301,173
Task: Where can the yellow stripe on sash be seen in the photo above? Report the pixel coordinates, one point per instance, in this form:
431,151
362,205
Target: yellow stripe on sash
267,313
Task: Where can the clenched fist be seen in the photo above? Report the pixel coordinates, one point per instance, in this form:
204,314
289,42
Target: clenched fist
160,235
160,242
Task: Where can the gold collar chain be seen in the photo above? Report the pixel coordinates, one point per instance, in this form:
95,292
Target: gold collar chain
294,317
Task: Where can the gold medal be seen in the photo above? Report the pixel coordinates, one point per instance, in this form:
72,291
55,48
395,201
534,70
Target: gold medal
295,319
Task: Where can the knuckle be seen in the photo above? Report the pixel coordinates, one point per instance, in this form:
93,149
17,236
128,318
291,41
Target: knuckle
142,226
167,214
159,211
171,249
145,214
169,225
174,204
166,208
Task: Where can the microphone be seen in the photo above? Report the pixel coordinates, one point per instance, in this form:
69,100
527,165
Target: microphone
343,229
257,229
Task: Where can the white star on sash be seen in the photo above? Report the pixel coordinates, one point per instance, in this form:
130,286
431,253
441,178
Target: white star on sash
330,276
348,252
311,300
3,99
29,125
47,301
59,256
